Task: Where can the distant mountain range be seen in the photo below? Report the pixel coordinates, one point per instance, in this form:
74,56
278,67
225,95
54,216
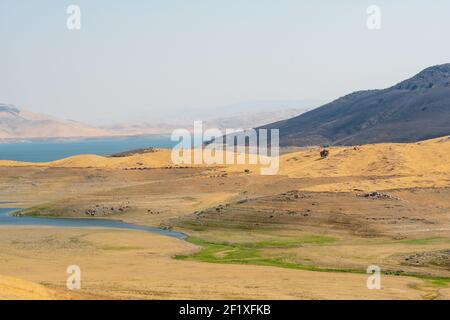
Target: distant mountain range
239,120
18,124
412,110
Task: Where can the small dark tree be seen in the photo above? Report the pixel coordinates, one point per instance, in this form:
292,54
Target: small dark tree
324,153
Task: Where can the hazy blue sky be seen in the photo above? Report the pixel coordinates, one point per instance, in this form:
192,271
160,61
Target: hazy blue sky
139,59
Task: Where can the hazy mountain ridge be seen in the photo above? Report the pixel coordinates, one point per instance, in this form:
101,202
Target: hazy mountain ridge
18,124
242,120
243,115
412,110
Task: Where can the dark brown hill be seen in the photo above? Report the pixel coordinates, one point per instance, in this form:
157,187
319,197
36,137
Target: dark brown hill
415,109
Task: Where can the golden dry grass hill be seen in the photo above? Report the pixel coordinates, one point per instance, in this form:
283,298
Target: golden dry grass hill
369,167
376,167
426,157
13,288
156,159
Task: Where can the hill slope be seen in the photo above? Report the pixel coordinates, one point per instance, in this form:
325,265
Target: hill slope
18,124
17,289
374,166
368,167
413,110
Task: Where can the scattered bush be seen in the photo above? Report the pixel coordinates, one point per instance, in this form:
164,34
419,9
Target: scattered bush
324,153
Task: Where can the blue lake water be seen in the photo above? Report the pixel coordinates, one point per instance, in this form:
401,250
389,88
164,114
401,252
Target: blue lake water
6,219
49,150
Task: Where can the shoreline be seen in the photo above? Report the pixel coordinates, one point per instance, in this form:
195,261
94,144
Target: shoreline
80,222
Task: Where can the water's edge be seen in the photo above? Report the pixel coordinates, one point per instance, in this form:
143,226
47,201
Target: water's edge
7,219
44,150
